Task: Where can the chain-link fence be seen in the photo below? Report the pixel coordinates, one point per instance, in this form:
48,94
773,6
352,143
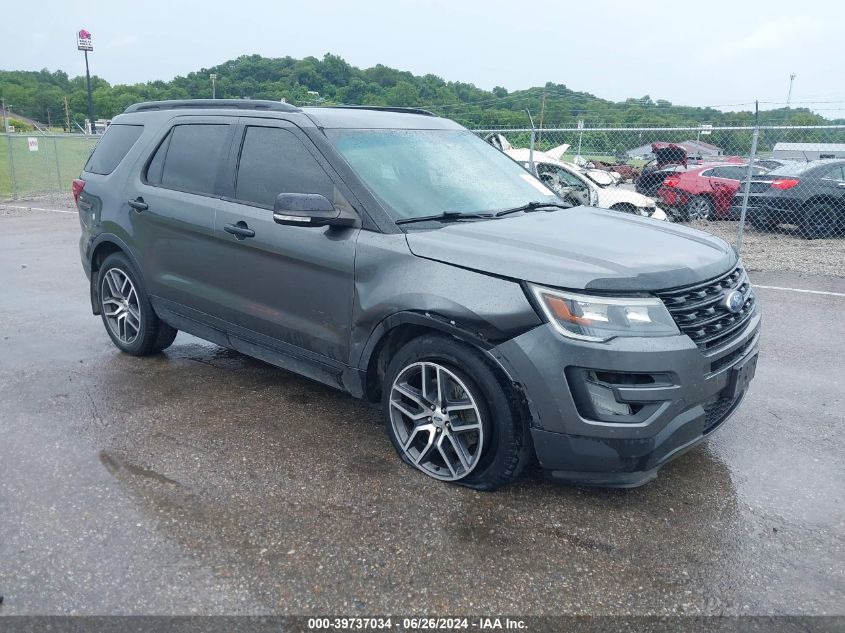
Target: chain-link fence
36,164
777,185
776,193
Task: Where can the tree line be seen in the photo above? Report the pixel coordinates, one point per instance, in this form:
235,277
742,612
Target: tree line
40,95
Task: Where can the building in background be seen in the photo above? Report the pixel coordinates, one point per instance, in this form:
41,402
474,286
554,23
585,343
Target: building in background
808,151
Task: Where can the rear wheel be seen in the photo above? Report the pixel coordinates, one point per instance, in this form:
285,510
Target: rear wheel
700,208
126,311
820,221
448,415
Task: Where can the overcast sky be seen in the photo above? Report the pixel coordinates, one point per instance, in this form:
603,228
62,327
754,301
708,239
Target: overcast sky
714,53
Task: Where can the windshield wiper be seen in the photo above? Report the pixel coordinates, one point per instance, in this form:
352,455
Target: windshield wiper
532,206
446,216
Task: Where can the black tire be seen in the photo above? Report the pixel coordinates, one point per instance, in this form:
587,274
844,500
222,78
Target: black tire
151,335
700,208
820,220
506,446
624,207
762,222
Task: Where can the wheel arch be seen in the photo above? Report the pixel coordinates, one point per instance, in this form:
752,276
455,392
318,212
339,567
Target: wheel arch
104,245
624,207
398,329
819,198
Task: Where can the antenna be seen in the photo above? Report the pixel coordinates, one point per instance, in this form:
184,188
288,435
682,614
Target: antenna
789,94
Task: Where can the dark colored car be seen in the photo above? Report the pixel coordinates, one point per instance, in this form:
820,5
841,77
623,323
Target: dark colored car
706,192
810,195
668,159
398,257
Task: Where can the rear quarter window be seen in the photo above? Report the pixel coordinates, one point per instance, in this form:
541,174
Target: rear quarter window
115,144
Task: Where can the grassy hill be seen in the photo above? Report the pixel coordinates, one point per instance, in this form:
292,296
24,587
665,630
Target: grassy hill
332,80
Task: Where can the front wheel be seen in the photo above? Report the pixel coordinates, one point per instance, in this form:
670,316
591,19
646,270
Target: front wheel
448,415
126,311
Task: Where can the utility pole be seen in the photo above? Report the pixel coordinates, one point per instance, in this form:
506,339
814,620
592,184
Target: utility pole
67,115
789,94
5,123
83,43
213,77
90,98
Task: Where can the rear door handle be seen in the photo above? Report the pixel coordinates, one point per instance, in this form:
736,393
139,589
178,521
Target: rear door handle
138,204
239,230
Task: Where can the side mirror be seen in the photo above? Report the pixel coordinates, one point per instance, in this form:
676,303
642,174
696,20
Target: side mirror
307,209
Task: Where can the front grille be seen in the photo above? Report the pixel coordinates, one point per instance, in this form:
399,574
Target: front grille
716,411
700,313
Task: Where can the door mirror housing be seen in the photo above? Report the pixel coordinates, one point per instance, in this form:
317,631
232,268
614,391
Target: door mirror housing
307,209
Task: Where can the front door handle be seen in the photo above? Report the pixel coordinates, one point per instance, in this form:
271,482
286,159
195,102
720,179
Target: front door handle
240,230
138,204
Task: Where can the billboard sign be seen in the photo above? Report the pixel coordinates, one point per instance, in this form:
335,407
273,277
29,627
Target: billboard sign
83,41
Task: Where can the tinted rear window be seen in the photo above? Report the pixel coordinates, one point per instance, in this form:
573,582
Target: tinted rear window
189,158
792,169
115,144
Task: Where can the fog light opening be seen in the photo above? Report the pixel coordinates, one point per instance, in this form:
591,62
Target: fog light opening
604,401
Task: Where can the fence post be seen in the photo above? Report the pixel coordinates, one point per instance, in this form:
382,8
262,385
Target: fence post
746,187
11,164
58,167
531,145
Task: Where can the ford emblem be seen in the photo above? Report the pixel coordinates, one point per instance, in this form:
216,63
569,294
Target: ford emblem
733,301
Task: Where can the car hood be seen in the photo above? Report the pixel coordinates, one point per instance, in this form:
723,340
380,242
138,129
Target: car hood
581,249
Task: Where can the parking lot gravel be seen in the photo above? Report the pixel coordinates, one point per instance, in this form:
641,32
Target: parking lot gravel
202,481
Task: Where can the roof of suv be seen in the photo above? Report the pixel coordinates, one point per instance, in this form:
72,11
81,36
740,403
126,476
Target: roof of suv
355,117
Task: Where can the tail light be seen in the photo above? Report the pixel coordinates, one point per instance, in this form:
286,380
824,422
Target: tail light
77,186
671,181
784,183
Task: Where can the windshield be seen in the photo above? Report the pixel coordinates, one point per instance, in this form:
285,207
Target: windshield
416,173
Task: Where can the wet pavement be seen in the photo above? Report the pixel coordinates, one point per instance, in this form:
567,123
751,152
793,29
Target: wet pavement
202,481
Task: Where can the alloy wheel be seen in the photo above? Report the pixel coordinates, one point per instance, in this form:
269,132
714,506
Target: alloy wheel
699,209
436,421
120,305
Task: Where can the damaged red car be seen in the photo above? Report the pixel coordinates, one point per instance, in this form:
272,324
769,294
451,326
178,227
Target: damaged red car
704,192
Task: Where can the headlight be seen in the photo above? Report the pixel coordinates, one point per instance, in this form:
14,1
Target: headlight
594,318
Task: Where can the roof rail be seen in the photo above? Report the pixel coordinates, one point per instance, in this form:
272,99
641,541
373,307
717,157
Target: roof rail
380,109
224,104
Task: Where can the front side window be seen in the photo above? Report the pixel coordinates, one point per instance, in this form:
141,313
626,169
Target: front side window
416,173
274,161
559,179
189,158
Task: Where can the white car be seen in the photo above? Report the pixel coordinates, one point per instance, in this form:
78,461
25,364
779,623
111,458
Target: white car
573,184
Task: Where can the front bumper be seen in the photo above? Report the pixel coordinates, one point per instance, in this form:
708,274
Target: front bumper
694,393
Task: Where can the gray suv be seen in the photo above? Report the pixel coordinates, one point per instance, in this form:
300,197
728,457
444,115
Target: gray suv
397,256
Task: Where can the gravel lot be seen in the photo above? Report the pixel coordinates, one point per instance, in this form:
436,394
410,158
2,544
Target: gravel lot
782,250
200,481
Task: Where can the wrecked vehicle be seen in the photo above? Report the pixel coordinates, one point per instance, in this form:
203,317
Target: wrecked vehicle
398,257
668,159
582,186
